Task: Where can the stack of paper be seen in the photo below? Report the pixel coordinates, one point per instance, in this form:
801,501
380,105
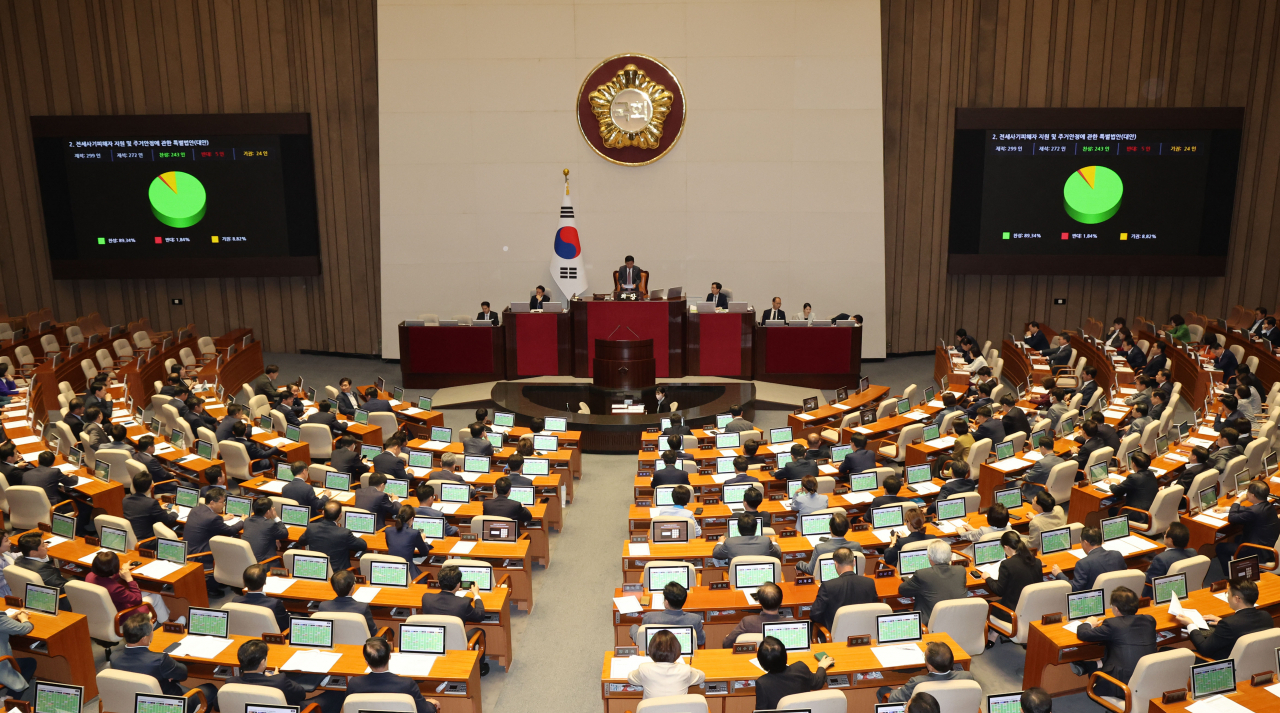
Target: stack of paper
471,477
1010,464
158,569
1078,553
915,415
721,477
780,448
628,604
620,668
435,445
1073,625
1210,520
900,655
448,508
277,585
201,647
411,664
1217,704
842,407
1126,545
462,548
273,486
862,429
55,541
1199,442
26,440
944,442
945,526
81,480
1197,621
411,411
991,571
312,661
858,498
638,549
88,559
726,452
804,417
936,404
1113,413
366,594
926,488
828,469
277,442
815,539
884,534
1032,455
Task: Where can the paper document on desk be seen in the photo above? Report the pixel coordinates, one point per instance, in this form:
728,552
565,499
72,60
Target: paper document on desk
828,469
638,549
278,442
915,415
25,440
1208,432
622,667
462,548
31,457
55,540
412,411
628,605
448,508
277,585
164,448
884,533
158,569
862,429
1114,413
410,664
201,647
858,498
946,527
944,442
991,571
1199,442
470,477
273,486
1125,545
1032,456
1217,704
1128,390
653,512
926,488
1176,457
1210,520
1078,553
937,404
842,407
781,448
900,655
1011,464
1072,626
88,559
1197,621
815,539
81,480
232,522
722,477
1221,595
804,417
366,594
312,661
435,445
727,452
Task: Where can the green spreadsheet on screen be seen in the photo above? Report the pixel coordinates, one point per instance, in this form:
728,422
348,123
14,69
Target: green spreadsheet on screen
311,569
898,628
1117,528
683,635
1056,541
754,575
422,639
53,700
792,636
42,601
306,633
147,704
660,577
1166,590
1011,704
206,625
170,552
479,575
1215,678
1084,606
387,573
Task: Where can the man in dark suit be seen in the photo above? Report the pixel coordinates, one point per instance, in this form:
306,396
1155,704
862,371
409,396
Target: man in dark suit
1224,360
514,464
448,469
959,481
663,404
342,581
799,466
1217,642
1257,520
11,464
348,399
847,588
372,402
988,427
447,603
1158,362
253,672
1128,637
1259,320
373,497
326,417
263,530
143,512
286,409
1039,472
1159,400
1013,419
720,299
1035,339
939,664
265,384
345,459
776,313
223,431
1096,561
859,459
1090,385
477,444
137,657
161,481
377,653
1139,488
98,397
677,427
1197,463
1091,443
35,557
674,444
984,399
1107,432
75,416
751,448
1229,448
1175,550
50,479
503,506
892,486
936,583
1270,331
206,522
301,491
818,448
629,274
259,454
747,542
740,464
539,298
1228,412
389,462
255,576
327,536
426,498
1132,354
486,315
196,418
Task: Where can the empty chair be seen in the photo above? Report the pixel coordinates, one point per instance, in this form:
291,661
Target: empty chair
319,438
1196,568
250,620
231,555
117,689
963,621
207,346
857,620
385,421
235,460
187,357
49,343
430,319
886,408
978,453
1037,600
233,697
828,701
753,559
1154,674
142,340
259,406
29,507
897,452
391,702
1110,581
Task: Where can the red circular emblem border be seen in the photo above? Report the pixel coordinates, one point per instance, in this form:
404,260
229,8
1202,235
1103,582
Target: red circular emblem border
672,128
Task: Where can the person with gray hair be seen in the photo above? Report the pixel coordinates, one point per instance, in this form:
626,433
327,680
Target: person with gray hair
938,582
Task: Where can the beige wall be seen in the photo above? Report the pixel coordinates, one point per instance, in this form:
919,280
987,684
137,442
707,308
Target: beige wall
775,188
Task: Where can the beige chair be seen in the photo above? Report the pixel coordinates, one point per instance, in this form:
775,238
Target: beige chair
235,460
278,421
455,634
29,507
187,357
90,371
386,421
142,340
859,564
162,530
429,319
828,701
857,620
886,408
332,391
259,406
1111,581
350,629
131,540
368,558
1164,510
978,454
207,347
169,417
688,703
1154,674
66,437
954,696
288,560
1102,455
753,559
1203,479
250,620
233,697
691,574
246,395
1037,600
1196,568
123,351
19,577
49,343
104,619
231,555
1231,479
317,472
963,621
119,461
117,689
1255,653
897,452
208,436
391,702
583,407
319,438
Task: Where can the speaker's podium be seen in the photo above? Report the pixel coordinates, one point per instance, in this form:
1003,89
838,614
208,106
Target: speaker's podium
623,364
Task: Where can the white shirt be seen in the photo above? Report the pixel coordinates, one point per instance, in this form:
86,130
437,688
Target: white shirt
977,363
665,679
673,511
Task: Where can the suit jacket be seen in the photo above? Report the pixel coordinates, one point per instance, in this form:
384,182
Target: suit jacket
1136,358
1054,519
934,584
858,461
49,479
348,402
406,543
629,276
258,599
1037,341
333,540
1259,523
391,465
143,513
13,472
263,386
75,423
993,429
300,490
1128,639
423,511
477,446
1015,575
903,693
1086,392
731,547
1223,456
739,424
823,548
9,678
978,403
797,678
1227,364
1220,423
1216,643
721,300
506,507
293,692
1161,563
1189,474
751,624
1139,489
796,469
1110,438
48,571
378,503
1158,362
346,461
387,682
263,534
450,604
1056,412
676,429
1087,449
140,659
956,486
1039,473
669,617
537,303
1098,561
1272,335
223,431
104,405
327,418
350,606
669,476
493,317
93,436
255,450
203,524
1016,421
891,554
377,405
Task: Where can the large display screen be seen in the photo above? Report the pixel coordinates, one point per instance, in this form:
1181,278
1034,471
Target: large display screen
1100,191
190,195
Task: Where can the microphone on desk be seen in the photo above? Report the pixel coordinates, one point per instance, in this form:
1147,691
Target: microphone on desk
620,326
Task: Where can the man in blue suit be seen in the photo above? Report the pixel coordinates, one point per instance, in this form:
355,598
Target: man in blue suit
859,459
137,657
1224,360
1035,338
1096,561
342,581
255,576
720,299
377,653
373,403
988,427
1133,354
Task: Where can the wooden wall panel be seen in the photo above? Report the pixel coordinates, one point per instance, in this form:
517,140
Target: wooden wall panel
88,57
943,54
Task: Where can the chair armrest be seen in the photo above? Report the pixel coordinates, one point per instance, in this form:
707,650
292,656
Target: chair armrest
75,509
954,553
204,702
421,577
478,642
387,633
1137,525
1275,558
277,557
171,480
824,631
122,615
12,662
139,543
313,708
1128,694
504,581
1013,623
199,554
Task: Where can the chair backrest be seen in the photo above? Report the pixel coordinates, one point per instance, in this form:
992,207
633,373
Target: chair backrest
1157,673
368,558
187,356
997,392
348,628
828,701
246,394
1255,653
207,345
691,574
278,421
1202,480
231,555
386,421
857,619
1164,509
117,689
288,560
908,393
944,426
232,697
1253,456
90,371
1149,433
1233,475
954,696
455,635
688,703
235,460
162,530
104,359
1037,600
395,702
28,507
250,620
131,540
1196,568
1019,439
907,435
997,368
1238,351
1102,455
19,577
964,620
886,408
95,604
49,343
753,559
259,406
206,434
318,437
1110,581
977,454
169,415
66,437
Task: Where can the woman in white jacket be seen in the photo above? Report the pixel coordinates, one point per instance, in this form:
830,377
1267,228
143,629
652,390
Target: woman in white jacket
666,675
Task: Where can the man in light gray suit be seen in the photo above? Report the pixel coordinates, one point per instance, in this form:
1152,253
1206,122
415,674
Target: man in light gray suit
738,423
839,527
939,662
1140,419
747,542
672,613
939,582
1058,407
477,444
629,274
1048,516
1039,473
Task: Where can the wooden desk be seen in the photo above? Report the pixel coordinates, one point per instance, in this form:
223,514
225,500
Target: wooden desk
722,665
719,344
69,656
1255,699
453,667
1268,364
569,441
108,497
1196,382
825,415
538,344
818,357
432,357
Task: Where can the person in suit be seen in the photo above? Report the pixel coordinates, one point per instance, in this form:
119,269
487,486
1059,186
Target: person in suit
263,530
751,501
669,474
629,275
223,431
663,404
1013,418
346,459
1058,407
403,540
936,583
389,462
1039,472
162,482
1118,331
98,397
939,664
674,444
348,398
1107,432
16,681
449,464
799,466
665,674
1158,361
1270,331
1090,385
48,478
1091,443
265,384
775,313
539,299
847,588
1034,338
960,449
1258,523
301,491
426,498
1159,400
327,536
1248,400
447,603
503,506
781,680
672,613
1132,354
119,439
677,427
35,557
374,498
859,460
260,455
288,408
959,482
818,448
205,522
143,512
1139,488
721,300
740,474
1197,463
1224,360
196,418
916,533
1019,570
807,500
477,444
92,435
746,543
486,315
1060,353
997,521
374,403
1217,642
1096,561
1046,515
255,577
1228,448
1228,412
514,465
988,427
770,597
738,423
11,464
75,416
984,399
1128,637
892,486
137,657
1164,382
839,528
750,450
1259,320
252,655
377,653
342,581
1175,550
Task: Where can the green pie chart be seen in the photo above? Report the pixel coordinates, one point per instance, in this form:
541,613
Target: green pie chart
177,199
1092,194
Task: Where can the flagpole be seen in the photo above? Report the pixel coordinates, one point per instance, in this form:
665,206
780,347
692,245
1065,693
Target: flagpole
566,181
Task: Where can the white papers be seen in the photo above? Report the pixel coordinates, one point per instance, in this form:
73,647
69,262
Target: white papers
756,662
31,457
946,527
722,477
900,655
273,486
81,480
780,448
280,441
66,468
858,498
628,604
232,522
1125,545
1197,621
448,508
1176,457
944,442
55,540
992,570
1217,704
936,404
17,424
1010,464
312,661
1115,413
411,411
462,548
804,417
862,429
1274,689
1199,442
828,469
622,667
638,549
394,402
814,539
1210,521
277,585
926,488
654,512
158,569
915,415
25,440
726,452
435,445
88,559
201,647
366,594
883,534
1078,553
411,664
842,407
1032,455
163,448
471,477
1202,431
1073,625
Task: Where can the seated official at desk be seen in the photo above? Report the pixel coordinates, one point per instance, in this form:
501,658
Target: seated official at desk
939,663
848,587
807,500
49,479
265,384
1132,353
675,443
1256,518
327,536
1139,488
487,315
539,298
426,498
301,491
997,521
514,465
988,427
938,582
1217,642
799,466
721,300
1014,418
1127,635
1228,448
669,474
770,597
373,497
35,557
781,680
737,423
818,448
255,577
326,417
774,314
1224,360
747,543
1019,570
11,464
1046,515
916,533
1034,338
1038,474
349,400
377,653
892,486
958,481
751,501
107,572
143,512
629,275
666,674
476,444
342,581
253,672
1175,550
501,505
136,657
446,602
403,540
17,678
672,613
449,464
1096,561
263,530
983,399
750,449
345,459
839,528
205,522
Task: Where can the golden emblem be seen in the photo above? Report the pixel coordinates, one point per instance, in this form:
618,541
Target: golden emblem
631,109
